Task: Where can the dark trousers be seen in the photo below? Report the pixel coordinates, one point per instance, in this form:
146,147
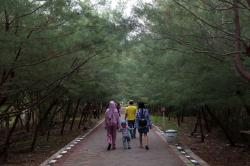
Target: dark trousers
131,124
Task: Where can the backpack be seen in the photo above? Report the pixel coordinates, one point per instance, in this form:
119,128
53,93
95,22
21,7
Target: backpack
142,120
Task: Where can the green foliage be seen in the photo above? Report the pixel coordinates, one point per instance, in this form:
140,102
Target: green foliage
57,43
181,60
175,53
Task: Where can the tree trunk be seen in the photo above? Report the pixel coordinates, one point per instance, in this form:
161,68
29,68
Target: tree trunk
169,115
7,21
99,110
206,121
65,117
182,115
51,122
74,115
237,58
7,142
178,119
227,116
201,126
21,122
40,124
33,119
83,112
27,125
225,131
7,125
85,117
196,124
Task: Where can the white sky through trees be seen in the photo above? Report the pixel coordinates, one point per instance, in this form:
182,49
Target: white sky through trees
124,6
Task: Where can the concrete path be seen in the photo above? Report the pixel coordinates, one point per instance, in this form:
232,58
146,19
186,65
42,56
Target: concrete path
92,152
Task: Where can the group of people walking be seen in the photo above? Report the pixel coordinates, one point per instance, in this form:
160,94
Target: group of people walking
136,118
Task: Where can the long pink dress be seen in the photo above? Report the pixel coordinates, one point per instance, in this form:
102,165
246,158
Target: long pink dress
112,123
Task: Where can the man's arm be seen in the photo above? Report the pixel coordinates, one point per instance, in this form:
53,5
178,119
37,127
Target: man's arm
126,113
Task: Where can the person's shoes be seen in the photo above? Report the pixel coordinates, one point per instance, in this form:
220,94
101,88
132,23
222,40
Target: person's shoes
113,147
141,146
146,147
109,147
129,147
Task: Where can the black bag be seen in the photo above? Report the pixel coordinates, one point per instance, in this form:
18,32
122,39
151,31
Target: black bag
142,120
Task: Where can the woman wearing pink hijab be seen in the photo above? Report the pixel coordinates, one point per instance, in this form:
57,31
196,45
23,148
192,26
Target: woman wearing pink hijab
112,123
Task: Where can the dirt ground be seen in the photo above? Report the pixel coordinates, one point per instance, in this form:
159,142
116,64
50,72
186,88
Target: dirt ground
21,156
216,150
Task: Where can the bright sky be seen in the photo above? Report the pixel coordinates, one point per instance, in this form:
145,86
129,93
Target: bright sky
125,5
129,5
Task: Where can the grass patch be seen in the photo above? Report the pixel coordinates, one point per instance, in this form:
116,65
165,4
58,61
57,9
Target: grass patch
164,123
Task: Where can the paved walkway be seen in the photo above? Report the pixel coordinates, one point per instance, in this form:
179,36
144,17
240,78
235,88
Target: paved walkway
92,152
